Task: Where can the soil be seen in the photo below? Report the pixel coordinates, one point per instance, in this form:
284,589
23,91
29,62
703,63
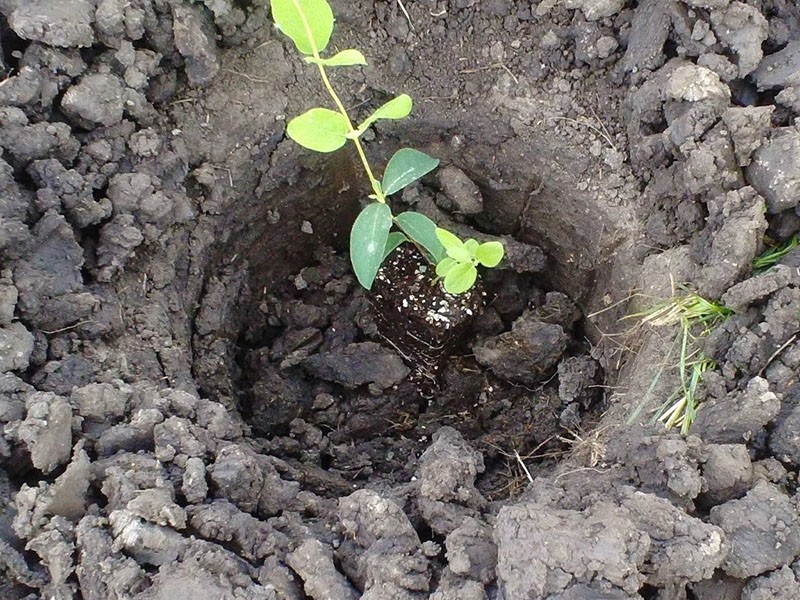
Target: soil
197,399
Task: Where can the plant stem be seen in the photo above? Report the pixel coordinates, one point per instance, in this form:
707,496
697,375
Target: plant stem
376,186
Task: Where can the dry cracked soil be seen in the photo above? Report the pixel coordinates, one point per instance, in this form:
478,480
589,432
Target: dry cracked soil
198,401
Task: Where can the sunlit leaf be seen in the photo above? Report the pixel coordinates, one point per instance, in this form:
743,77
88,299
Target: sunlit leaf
454,247
422,231
392,242
444,267
396,108
471,246
489,254
460,278
345,58
308,23
368,239
319,129
405,167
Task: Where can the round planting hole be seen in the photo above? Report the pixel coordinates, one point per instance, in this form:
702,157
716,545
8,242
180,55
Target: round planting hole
349,384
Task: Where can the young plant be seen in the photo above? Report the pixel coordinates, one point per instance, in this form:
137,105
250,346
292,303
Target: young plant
309,24
695,317
459,267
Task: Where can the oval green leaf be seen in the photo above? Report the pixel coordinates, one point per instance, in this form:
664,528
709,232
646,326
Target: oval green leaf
396,108
460,278
489,254
368,239
308,23
471,246
392,242
454,247
319,129
445,266
345,58
422,231
405,167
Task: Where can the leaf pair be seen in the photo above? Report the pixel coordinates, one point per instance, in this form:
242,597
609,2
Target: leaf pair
326,130
459,267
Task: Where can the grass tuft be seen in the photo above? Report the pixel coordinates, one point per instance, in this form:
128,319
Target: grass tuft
695,317
771,256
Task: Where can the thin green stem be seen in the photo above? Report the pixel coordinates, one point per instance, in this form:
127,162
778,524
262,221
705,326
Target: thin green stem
376,186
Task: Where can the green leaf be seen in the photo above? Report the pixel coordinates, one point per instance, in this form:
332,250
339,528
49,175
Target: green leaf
368,239
454,247
405,167
489,254
308,23
422,232
319,129
445,266
345,58
460,278
392,242
396,108
471,246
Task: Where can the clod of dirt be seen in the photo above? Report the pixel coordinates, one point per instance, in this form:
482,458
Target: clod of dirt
98,99
526,352
596,9
65,23
600,543
782,584
734,231
465,197
763,530
194,44
727,473
742,29
740,417
471,553
748,126
754,289
446,474
775,170
313,562
382,553
46,430
780,69
16,346
784,440
358,364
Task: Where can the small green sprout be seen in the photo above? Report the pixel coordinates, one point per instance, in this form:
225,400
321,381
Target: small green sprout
772,255
459,267
695,317
309,24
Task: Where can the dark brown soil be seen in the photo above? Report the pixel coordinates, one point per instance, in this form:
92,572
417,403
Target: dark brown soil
197,400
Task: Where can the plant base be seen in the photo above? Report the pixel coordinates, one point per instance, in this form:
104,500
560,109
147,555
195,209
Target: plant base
417,317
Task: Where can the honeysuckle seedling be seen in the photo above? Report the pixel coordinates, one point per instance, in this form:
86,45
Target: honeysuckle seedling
459,267
309,24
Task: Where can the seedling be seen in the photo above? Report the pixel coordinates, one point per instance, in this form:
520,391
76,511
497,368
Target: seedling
459,266
695,317
309,24
773,255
